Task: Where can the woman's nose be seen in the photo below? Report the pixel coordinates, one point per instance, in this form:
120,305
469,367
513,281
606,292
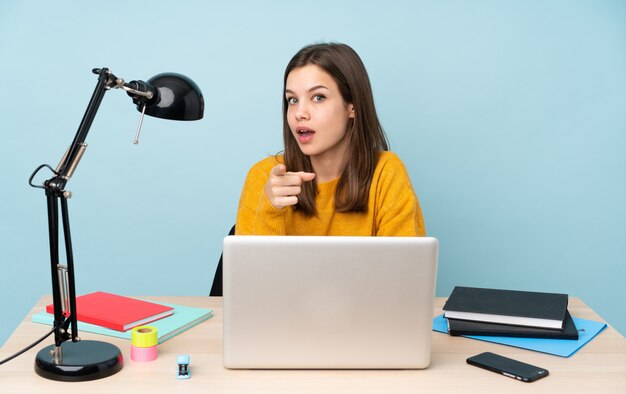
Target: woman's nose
302,112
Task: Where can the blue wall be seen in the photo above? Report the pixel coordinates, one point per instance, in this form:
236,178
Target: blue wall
510,116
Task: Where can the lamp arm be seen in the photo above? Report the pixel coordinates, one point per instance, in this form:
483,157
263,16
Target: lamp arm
63,286
67,165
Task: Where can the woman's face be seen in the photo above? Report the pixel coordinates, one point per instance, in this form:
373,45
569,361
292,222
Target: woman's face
317,114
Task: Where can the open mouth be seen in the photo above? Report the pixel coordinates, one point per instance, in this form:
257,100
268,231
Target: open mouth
304,135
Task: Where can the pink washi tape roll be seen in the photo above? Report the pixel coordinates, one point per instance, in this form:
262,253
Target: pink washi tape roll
143,353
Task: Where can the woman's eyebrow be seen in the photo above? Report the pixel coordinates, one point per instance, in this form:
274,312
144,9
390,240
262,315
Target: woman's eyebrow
310,89
317,87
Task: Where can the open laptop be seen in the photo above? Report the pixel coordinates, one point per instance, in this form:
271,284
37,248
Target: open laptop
328,302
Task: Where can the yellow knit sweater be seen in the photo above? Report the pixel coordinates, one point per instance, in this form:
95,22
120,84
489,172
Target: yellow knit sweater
393,208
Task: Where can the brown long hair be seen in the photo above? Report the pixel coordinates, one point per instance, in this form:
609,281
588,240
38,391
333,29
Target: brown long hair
366,137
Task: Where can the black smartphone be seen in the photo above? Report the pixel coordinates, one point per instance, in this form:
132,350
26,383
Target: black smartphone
508,367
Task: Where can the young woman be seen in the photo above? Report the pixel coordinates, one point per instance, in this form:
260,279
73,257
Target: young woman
336,176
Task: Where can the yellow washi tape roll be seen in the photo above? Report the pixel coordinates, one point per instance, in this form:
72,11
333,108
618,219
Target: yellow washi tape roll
144,336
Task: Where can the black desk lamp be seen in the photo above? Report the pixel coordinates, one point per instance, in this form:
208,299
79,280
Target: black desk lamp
167,96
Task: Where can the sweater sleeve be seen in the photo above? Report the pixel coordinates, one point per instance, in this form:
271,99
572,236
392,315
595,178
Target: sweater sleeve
398,209
256,215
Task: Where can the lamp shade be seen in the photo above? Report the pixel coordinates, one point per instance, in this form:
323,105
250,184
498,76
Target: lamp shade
177,98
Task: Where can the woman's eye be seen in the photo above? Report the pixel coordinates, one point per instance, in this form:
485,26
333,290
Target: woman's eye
318,98
291,100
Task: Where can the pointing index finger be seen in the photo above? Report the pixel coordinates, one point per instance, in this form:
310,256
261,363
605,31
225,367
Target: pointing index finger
304,176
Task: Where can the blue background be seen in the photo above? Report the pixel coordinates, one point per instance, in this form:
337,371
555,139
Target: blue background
510,116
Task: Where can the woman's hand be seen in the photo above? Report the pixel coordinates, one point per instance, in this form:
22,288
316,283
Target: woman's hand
282,188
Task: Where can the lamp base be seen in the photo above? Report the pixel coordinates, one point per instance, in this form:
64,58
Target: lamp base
81,361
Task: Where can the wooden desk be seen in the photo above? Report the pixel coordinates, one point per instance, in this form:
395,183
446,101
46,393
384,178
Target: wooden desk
600,366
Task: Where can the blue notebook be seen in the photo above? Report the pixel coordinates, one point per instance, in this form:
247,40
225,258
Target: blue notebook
183,318
587,330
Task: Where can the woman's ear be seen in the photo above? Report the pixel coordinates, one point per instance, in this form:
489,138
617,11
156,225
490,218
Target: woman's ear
351,111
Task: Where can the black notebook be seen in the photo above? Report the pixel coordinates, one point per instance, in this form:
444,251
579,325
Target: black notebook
522,308
467,327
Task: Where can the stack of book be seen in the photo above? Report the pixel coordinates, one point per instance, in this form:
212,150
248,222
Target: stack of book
116,312
115,315
493,312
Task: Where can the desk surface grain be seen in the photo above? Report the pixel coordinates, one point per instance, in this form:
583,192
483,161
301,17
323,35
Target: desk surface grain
600,366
